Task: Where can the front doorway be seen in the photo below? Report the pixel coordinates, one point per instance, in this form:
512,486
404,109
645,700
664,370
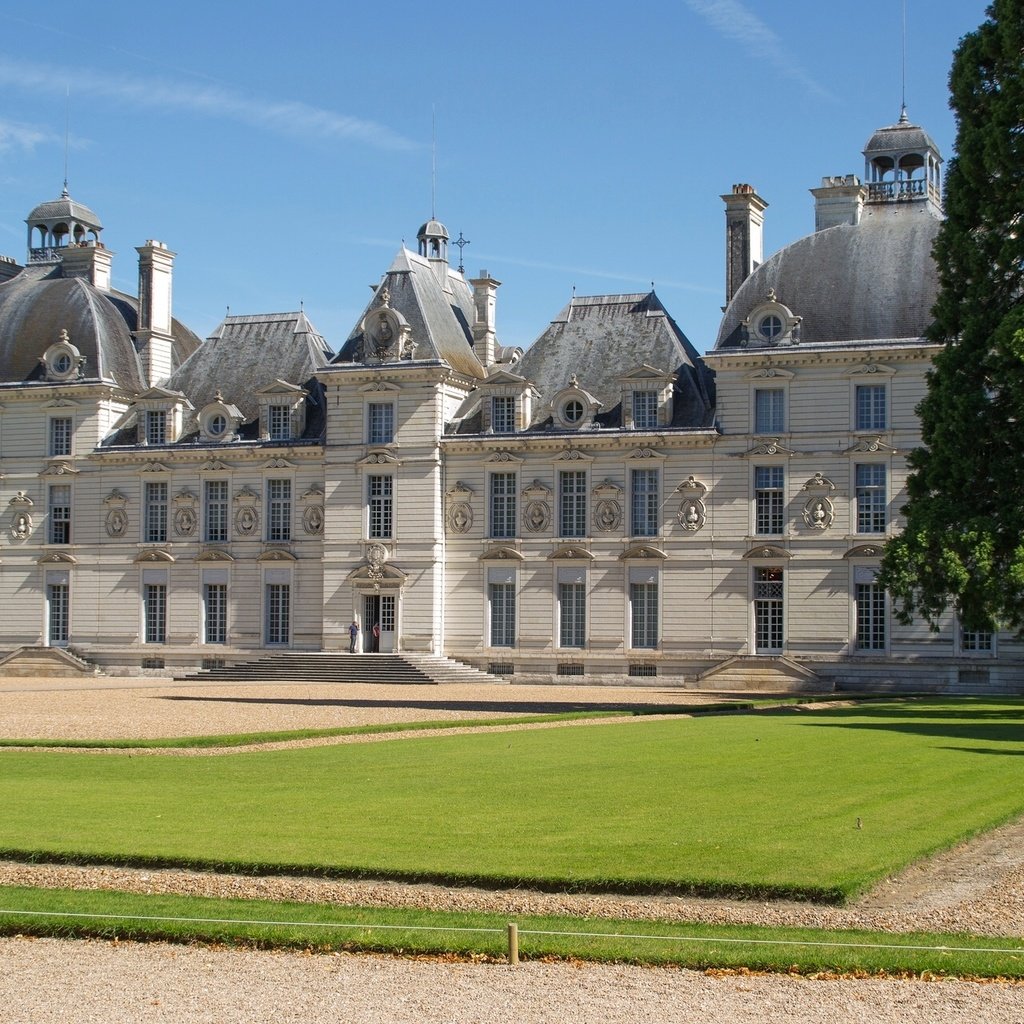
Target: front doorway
768,610
379,609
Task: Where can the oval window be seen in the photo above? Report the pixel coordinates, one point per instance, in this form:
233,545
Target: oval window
218,424
770,327
573,411
62,363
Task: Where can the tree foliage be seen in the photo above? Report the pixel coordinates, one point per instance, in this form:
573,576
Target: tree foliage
963,547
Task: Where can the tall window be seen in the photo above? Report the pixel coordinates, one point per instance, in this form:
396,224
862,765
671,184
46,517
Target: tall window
155,512
869,413
379,500
278,613
769,410
60,435
156,426
871,498
643,614
645,410
977,641
503,414
60,514
768,609
154,600
503,614
380,423
572,503
870,598
279,422
769,499
279,510
215,510
503,504
572,614
215,613
644,503
57,612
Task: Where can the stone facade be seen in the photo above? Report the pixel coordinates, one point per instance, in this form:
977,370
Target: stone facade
608,504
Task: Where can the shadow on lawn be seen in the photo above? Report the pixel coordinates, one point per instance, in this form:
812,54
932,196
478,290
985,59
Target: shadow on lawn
497,706
985,727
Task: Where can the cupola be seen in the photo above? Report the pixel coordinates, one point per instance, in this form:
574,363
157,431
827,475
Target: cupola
433,240
58,224
903,164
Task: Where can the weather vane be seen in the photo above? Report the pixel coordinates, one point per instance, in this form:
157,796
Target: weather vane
461,243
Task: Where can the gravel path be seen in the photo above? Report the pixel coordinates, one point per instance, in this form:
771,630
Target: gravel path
978,888
47,981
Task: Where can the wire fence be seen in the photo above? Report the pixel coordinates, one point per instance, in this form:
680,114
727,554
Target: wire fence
512,932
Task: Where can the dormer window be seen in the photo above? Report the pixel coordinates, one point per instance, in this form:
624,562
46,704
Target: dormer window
646,397
771,323
62,361
219,420
503,414
279,426
218,425
573,407
155,426
770,327
645,410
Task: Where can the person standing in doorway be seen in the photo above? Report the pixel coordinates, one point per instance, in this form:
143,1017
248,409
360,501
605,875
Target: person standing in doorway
376,638
353,636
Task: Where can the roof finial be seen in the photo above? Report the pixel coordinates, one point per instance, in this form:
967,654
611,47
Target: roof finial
67,135
903,82
461,243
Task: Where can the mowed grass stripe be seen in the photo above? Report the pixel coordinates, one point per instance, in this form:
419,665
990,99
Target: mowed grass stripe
762,804
264,923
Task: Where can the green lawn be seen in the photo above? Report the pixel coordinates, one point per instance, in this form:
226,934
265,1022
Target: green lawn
760,803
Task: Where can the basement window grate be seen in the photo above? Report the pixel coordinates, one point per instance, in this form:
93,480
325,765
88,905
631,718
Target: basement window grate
153,663
638,670
501,668
973,678
213,663
569,669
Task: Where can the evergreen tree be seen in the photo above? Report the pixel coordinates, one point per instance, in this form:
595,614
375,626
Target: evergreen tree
963,546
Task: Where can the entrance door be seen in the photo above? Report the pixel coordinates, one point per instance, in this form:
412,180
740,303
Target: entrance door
379,609
768,610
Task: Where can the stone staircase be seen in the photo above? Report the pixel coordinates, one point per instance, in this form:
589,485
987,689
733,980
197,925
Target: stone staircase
329,667
762,674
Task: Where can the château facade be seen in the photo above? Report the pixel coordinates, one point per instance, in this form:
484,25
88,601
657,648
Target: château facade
607,504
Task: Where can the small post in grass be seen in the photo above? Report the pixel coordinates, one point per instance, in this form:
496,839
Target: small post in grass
513,944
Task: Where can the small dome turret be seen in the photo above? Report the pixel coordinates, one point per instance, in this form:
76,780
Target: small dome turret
433,240
902,162
59,223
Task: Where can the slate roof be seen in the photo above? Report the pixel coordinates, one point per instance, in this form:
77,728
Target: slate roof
601,337
900,138
64,208
871,281
245,354
440,316
37,304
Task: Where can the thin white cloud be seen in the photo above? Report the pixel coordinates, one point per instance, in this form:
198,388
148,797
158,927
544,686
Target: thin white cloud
14,135
733,20
284,117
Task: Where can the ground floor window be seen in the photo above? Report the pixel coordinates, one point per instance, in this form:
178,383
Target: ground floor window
643,613
278,613
503,614
57,612
871,619
154,599
215,609
768,609
572,614
977,641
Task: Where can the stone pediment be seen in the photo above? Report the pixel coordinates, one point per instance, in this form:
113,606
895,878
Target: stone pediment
214,555
865,551
870,446
503,456
154,467
379,458
278,464
645,453
771,373
154,555
767,551
384,576
58,558
870,370
277,555
501,553
643,551
773,446
567,552
214,466
59,469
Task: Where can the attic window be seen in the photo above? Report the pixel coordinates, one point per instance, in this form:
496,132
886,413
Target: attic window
62,360
155,425
572,411
217,425
279,426
770,327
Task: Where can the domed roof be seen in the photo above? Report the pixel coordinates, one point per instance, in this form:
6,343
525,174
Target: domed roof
39,303
432,229
901,137
63,208
870,281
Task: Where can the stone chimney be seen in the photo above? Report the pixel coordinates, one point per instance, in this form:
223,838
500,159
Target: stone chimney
153,334
90,260
840,200
485,298
744,236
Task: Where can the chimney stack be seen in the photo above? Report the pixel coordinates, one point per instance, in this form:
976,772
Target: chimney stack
485,300
840,200
744,236
89,260
154,330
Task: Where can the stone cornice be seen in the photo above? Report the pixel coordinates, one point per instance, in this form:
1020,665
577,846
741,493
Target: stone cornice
603,441
199,456
823,355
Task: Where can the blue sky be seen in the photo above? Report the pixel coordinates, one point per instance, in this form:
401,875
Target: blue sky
284,150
